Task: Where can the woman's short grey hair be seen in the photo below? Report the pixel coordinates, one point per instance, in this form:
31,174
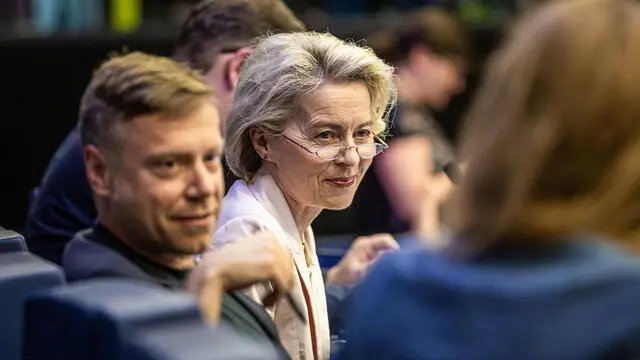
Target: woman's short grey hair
284,66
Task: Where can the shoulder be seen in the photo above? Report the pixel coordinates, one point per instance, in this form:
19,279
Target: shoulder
418,274
244,224
64,189
67,161
407,121
232,228
243,214
401,267
85,259
394,280
394,286
240,202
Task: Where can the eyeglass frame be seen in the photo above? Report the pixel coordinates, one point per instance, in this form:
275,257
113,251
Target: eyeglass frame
343,149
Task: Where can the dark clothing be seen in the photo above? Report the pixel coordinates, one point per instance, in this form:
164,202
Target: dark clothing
571,301
64,202
63,205
337,304
373,208
120,260
97,253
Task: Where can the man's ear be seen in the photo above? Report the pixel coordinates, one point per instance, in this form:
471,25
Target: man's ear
260,142
233,67
97,171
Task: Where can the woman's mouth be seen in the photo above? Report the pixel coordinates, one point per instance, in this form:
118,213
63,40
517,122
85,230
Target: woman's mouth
342,181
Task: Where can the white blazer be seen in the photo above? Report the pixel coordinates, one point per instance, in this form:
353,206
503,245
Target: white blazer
248,209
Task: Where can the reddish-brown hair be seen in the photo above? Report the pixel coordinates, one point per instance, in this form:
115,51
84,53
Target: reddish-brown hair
553,139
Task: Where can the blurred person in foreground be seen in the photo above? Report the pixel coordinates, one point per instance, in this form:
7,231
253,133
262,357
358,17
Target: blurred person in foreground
214,40
431,54
306,122
544,262
152,148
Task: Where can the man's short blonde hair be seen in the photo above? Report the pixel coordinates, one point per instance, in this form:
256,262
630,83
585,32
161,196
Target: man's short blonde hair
281,69
137,84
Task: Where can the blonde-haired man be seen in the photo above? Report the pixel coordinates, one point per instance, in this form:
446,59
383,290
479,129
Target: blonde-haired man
151,146
214,40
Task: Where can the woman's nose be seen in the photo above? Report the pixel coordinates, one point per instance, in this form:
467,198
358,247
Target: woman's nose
349,156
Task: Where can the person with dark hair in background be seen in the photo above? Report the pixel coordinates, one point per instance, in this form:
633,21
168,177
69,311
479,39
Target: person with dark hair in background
543,264
152,148
431,55
214,40
219,34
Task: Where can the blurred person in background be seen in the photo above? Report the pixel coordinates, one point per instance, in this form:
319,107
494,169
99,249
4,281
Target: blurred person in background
544,261
214,40
303,129
152,148
431,55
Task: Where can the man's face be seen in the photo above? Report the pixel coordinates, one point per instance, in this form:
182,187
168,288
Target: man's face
166,187
223,79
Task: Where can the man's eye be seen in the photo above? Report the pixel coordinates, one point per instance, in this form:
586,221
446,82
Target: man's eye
212,162
169,164
211,158
166,168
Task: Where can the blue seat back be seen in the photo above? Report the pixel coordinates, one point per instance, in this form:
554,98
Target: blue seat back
11,241
21,274
195,342
91,320
331,249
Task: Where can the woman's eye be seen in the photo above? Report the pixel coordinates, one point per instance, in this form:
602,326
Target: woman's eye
325,135
363,133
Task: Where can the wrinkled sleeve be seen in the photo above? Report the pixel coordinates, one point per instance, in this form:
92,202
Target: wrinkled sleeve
240,229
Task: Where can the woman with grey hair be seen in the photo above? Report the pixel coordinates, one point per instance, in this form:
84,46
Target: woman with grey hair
308,118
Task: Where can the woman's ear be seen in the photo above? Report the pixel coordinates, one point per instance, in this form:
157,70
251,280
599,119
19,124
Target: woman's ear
260,142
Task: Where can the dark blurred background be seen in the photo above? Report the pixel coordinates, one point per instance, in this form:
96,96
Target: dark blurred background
48,49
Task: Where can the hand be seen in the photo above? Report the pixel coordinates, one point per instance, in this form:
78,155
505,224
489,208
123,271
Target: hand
438,188
258,258
428,223
362,253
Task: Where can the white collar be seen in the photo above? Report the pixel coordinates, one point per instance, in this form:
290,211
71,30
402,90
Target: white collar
267,192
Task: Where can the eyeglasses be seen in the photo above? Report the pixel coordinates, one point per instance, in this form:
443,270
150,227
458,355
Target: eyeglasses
332,152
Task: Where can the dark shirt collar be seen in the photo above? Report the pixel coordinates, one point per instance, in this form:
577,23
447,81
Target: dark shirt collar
163,275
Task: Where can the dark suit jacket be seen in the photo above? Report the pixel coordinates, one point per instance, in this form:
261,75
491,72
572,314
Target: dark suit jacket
85,259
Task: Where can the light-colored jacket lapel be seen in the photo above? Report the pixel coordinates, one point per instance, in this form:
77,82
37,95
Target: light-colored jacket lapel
249,208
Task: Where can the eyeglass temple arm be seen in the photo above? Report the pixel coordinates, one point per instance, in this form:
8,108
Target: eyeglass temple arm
381,141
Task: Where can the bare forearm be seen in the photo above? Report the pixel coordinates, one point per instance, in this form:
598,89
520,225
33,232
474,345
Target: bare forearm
330,276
